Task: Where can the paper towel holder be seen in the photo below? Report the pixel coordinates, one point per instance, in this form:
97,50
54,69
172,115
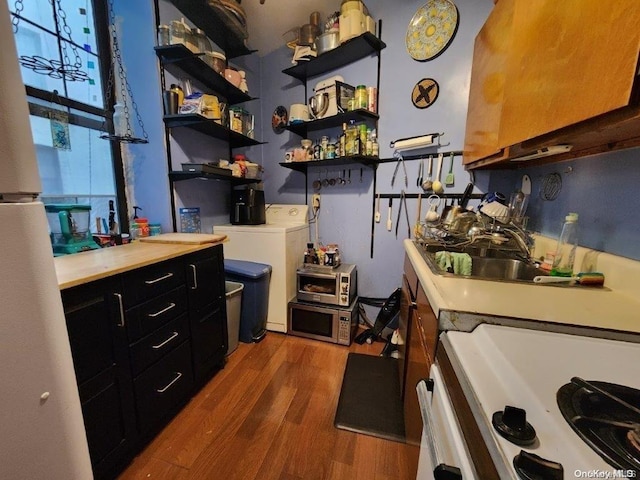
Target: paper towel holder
418,141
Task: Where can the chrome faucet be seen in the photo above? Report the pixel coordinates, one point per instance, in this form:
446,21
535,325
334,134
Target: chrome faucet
522,238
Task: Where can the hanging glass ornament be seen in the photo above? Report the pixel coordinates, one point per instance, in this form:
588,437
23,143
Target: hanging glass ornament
59,123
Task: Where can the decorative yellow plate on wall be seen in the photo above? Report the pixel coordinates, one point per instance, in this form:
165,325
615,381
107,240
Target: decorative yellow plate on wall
431,29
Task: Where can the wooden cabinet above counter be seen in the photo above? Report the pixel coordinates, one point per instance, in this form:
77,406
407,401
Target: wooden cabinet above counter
549,73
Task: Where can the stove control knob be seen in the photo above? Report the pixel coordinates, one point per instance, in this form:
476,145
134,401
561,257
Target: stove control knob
512,424
529,465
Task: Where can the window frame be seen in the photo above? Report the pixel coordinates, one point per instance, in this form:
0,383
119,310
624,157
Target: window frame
106,62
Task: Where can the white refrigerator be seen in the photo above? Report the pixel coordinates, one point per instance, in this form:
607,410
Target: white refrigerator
41,429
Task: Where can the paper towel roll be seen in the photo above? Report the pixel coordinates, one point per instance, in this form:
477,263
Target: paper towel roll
413,142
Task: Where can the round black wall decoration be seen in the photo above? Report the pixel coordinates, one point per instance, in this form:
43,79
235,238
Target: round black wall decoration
425,93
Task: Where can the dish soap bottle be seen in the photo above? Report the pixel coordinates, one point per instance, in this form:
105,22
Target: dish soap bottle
566,249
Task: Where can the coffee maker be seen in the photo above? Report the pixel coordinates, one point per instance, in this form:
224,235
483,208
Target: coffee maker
247,207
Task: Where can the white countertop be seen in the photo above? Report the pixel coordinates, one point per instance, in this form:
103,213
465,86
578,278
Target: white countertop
615,308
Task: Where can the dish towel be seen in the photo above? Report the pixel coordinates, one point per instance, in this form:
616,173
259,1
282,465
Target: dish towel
453,262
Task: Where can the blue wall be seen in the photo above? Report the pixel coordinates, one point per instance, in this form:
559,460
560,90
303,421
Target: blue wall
147,164
346,211
599,188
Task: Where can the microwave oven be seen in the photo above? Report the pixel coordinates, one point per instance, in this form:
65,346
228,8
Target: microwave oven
327,285
320,322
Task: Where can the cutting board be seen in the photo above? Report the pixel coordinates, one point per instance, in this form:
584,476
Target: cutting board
188,238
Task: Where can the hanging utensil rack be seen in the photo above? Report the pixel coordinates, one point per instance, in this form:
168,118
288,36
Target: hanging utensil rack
455,153
458,196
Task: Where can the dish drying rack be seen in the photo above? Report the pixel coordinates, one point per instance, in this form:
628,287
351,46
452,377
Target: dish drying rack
492,233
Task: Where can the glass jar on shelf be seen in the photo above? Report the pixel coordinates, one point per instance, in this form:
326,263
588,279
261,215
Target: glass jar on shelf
192,40
202,42
164,35
178,31
361,97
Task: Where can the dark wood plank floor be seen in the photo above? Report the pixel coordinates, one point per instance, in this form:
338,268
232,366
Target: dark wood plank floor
269,415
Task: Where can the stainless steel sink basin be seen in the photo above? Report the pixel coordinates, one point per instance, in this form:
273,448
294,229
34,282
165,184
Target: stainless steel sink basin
487,264
507,269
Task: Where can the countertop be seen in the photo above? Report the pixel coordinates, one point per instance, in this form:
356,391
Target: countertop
84,267
611,309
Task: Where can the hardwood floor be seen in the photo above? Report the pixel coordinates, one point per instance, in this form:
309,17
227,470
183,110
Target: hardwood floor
269,415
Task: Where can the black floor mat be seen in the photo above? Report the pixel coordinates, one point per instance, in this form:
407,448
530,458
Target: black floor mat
370,400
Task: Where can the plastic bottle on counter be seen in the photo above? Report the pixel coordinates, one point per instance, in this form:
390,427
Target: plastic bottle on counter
566,249
134,231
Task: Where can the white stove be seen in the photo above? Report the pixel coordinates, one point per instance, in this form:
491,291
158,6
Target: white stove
499,367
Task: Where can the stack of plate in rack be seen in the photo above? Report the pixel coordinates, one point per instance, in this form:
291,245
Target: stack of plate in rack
234,16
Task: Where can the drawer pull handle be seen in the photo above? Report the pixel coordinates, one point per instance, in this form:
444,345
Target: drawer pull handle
164,310
120,308
162,390
173,335
195,277
159,279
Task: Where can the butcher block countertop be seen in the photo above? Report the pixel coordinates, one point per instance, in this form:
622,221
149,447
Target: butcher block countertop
84,267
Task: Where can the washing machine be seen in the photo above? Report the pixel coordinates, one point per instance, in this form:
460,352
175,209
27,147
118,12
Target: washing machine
281,243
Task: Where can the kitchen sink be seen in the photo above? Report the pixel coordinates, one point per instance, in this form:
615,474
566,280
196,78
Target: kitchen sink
487,263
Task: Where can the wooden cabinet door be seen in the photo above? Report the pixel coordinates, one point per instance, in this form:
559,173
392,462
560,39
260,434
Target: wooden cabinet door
419,322
207,311
95,324
569,61
205,277
488,77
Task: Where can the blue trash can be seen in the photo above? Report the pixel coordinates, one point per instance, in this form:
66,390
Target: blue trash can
255,296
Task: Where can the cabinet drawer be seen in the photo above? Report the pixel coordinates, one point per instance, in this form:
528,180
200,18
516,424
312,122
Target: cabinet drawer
155,345
153,280
151,315
163,386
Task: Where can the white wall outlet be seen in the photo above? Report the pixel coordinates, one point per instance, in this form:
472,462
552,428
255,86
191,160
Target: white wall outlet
315,200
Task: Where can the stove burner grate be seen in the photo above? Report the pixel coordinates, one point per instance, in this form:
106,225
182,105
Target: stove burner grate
605,416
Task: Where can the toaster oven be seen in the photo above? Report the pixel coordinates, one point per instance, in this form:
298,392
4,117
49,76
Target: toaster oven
327,285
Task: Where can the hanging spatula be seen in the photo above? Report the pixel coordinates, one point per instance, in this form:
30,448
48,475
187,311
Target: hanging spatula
450,179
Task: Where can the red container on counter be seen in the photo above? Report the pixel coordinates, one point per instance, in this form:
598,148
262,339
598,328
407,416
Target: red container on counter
143,224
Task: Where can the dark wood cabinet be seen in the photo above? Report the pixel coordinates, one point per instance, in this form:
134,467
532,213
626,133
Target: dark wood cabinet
142,341
156,324
163,386
207,311
97,333
419,322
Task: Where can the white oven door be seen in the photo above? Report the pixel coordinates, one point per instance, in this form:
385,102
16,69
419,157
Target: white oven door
443,452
